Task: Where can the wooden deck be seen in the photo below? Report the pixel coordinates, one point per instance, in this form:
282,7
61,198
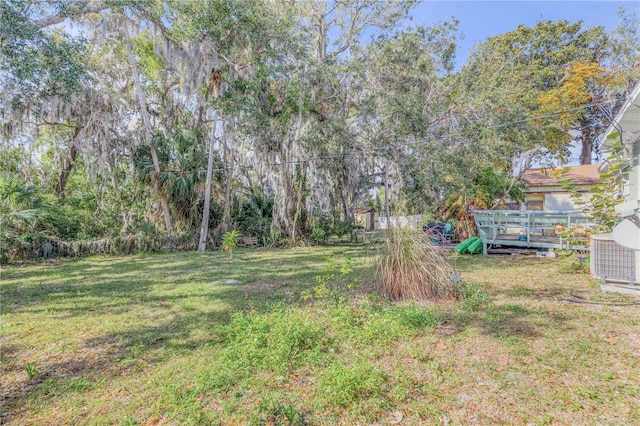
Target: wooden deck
532,239
531,229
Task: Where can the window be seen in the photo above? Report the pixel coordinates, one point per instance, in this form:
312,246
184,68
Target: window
535,205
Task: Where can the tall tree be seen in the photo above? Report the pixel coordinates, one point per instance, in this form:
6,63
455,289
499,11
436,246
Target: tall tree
574,105
624,58
148,134
204,226
507,75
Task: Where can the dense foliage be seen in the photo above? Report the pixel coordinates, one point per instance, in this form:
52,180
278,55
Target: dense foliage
140,120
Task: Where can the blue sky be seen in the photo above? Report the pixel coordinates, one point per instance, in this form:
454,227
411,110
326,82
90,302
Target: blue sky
482,19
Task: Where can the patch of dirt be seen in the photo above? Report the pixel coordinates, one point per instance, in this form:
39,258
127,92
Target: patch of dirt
226,282
266,286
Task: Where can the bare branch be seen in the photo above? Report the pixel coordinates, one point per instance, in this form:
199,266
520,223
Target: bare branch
47,21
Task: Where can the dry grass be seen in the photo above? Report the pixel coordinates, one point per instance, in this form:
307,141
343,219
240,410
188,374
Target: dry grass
411,268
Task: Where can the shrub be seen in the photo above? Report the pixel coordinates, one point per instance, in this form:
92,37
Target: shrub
341,228
318,234
573,262
254,215
410,267
230,241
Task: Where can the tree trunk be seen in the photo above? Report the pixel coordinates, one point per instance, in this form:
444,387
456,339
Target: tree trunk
285,201
283,204
148,135
345,209
67,166
386,193
204,227
587,145
226,212
300,176
344,189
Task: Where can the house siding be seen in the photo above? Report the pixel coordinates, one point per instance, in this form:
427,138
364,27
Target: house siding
554,197
627,126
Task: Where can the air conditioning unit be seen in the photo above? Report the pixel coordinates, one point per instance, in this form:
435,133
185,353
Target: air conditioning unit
612,262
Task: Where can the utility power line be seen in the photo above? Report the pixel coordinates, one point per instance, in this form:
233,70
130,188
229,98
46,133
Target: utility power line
365,153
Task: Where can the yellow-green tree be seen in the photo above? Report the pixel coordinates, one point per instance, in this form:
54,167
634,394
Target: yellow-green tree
573,106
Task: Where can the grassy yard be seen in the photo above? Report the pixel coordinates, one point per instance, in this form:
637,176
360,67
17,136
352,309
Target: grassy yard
165,340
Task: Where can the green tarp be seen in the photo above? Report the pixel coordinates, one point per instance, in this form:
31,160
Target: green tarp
475,247
463,247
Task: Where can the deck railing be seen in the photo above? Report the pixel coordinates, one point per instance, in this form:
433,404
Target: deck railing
532,228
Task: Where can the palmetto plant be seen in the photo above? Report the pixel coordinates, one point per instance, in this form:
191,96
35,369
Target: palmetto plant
20,206
182,161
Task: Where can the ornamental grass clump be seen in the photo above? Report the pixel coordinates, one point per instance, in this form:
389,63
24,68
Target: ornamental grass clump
411,267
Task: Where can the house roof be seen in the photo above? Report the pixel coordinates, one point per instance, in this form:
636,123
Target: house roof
364,210
627,120
580,175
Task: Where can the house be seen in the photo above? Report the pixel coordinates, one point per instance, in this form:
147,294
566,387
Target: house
625,128
365,217
544,191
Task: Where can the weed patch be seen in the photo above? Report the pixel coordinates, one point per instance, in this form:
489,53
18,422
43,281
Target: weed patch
276,341
418,318
277,410
344,385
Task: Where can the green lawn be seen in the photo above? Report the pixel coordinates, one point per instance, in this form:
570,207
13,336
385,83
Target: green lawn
161,339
